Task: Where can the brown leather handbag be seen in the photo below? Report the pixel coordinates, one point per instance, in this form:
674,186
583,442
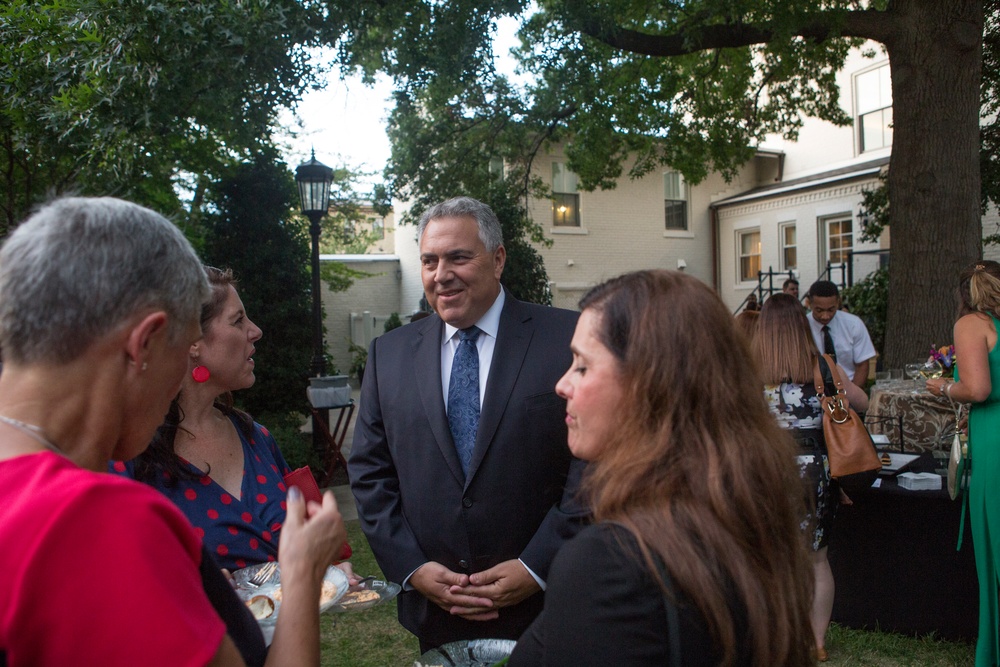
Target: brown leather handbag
854,463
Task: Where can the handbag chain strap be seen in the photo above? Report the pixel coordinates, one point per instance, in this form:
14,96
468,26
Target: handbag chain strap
836,405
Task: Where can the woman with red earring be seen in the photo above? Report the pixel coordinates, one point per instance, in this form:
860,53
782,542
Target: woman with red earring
222,469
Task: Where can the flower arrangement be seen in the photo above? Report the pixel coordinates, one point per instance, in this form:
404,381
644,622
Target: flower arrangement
944,355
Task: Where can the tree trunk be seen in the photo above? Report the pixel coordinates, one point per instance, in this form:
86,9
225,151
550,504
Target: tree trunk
935,56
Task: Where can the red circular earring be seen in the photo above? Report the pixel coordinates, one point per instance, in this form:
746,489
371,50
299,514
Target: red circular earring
200,374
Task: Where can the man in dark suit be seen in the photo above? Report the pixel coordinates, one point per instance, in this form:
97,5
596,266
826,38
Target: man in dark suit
467,514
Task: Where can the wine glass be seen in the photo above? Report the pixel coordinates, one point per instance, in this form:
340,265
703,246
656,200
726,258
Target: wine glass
913,372
931,368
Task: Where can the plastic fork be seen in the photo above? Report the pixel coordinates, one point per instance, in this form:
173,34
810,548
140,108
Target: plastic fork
263,574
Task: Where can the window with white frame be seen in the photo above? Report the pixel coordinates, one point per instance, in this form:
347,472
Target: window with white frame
873,96
565,198
675,202
789,247
378,227
748,250
839,239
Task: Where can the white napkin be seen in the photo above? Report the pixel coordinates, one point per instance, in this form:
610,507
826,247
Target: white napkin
919,481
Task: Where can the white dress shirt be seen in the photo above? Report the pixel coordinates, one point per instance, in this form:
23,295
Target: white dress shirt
489,325
850,340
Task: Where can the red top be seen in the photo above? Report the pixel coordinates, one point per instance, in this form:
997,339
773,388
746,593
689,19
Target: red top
96,569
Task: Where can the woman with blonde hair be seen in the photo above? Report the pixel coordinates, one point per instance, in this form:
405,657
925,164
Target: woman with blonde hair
786,354
695,557
976,351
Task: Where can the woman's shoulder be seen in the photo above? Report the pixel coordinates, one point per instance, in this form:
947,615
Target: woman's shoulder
70,495
602,548
976,320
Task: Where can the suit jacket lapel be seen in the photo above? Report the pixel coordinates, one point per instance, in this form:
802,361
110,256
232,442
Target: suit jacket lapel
513,338
427,364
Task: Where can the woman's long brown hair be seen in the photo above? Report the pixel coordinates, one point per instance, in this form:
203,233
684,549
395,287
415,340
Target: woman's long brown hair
699,471
783,345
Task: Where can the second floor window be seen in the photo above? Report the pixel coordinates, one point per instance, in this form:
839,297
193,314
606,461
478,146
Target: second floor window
565,198
675,201
873,91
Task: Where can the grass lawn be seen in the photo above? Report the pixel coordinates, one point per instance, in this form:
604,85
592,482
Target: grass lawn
370,638
374,638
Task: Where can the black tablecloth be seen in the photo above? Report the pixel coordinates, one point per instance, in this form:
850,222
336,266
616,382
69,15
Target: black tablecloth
895,564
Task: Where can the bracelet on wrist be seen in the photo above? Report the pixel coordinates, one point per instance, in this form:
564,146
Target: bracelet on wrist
946,389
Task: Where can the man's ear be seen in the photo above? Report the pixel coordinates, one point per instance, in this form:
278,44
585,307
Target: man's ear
499,260
143,334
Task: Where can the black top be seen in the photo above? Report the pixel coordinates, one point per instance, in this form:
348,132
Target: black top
241,626
603,607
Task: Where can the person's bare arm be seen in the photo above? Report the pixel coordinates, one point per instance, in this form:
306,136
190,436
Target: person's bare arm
856,396
311,537
974,338
227,655
861,372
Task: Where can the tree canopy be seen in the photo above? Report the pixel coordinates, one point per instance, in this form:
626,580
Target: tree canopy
253,231
695,85
143,99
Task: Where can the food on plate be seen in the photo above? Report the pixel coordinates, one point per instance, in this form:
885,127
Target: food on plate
885,459
261,606
326,594
358,597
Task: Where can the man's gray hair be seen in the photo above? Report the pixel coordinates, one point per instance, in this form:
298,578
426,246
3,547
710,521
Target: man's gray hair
80,267
466,207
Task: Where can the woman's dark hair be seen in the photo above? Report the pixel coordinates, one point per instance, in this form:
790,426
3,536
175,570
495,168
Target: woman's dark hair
160,457
698,469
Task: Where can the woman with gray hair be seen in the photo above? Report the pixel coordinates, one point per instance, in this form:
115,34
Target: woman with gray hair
99,305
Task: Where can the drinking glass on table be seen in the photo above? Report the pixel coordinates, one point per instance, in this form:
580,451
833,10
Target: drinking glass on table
913,372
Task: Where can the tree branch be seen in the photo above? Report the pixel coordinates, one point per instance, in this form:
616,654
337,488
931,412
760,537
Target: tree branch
818,26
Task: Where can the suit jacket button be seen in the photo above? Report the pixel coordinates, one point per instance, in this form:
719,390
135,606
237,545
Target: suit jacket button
466,502
464,564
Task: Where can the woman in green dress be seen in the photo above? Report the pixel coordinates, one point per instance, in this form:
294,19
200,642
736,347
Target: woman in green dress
976,350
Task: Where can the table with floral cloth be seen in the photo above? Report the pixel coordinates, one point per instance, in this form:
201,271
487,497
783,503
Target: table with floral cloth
928,421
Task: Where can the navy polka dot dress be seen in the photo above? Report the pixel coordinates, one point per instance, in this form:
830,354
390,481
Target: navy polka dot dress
242,531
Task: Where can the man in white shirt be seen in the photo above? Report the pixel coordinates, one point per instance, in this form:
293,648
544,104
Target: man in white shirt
838,333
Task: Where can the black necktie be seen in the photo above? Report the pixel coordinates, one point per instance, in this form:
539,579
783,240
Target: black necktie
828,343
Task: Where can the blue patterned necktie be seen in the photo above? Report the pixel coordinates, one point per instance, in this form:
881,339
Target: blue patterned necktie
463,395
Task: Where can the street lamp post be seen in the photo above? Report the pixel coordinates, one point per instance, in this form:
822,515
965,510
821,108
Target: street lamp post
314,179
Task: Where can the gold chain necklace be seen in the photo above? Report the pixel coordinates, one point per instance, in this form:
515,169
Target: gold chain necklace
32,431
